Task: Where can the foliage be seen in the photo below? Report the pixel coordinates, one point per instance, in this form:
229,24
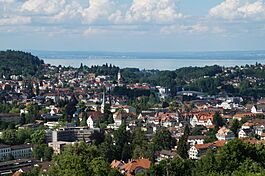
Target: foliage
80,160
218,120
38,137
42,151
16,137
163,140
235,127
173,167
18,63
182,148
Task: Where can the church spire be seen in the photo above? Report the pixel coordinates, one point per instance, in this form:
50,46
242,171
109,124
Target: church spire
103,103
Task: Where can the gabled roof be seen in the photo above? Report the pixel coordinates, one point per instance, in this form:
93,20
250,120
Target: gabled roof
139,163
196,137
116,164
223,131
219,143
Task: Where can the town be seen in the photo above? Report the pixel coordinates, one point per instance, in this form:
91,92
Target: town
106,120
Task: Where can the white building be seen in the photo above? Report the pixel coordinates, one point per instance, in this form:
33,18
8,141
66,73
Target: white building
245,133
201,119
193,140
225,134
90,122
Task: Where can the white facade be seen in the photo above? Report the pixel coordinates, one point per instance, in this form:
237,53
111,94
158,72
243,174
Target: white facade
225,134
194,141
194,153
194,121
90,122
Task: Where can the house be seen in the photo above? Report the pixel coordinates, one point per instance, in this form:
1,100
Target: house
174,116
240,116
125,108
193,140
247,125
198,150
133,167
202,118
259,108
262,136
165,154
90,122
120,117
225,134
245,133
117,164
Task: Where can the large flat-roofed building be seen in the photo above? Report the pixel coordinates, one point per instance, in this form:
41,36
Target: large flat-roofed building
5,150
17,151
58,146
69,134
21,151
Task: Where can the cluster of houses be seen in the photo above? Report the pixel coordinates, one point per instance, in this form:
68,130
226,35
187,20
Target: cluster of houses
93,95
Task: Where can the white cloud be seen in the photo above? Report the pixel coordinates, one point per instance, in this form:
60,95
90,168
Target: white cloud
43,6
7,1
235,9
15,20
218,29
98,10
70,12
197,28
148,11
91,31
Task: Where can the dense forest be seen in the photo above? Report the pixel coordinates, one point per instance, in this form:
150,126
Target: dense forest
18,63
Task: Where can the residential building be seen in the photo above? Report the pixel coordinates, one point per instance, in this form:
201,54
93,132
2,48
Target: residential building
225,134
245,133
198,150
193,140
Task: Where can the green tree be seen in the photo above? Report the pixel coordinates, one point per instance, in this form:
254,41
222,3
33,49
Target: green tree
172,167
9,137
42,151
182,148
235,127
99,167
121,138
38,137
80,160
218,120
107,149
163,140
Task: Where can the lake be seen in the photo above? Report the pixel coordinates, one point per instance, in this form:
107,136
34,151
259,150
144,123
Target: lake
161,61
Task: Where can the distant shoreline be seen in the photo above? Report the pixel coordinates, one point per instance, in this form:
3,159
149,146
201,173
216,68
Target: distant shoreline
150,64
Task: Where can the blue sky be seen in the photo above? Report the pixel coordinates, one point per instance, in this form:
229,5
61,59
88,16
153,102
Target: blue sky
132,25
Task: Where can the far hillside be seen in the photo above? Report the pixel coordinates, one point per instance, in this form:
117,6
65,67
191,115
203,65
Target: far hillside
18,63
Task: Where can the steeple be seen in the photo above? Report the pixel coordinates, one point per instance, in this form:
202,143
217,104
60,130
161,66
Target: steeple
119,75
103,103
120,79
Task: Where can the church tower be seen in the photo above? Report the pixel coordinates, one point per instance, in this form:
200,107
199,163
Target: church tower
119,76
103,103
120,79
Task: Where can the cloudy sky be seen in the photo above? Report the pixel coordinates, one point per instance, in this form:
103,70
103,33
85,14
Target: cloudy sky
132,25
